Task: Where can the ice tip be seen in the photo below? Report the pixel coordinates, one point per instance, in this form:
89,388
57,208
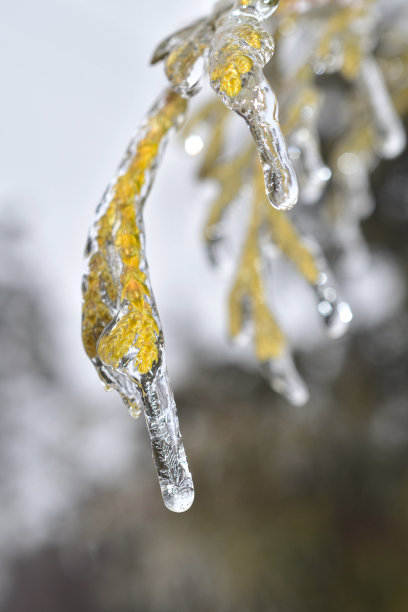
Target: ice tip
178,498
284,378
282,192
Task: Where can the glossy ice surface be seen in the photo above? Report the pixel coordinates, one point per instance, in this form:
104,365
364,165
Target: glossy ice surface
280,162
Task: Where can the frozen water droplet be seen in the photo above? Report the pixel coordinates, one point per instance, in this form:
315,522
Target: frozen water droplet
134,411
178,498
285,379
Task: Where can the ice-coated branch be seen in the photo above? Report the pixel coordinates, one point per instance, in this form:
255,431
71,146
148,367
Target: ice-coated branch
121,328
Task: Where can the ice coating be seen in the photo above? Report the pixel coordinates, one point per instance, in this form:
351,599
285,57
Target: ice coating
168,451
184,54
376,133
270,234
236,48
121,328
258,9
240,50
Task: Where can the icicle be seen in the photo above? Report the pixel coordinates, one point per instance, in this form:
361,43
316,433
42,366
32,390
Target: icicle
168,451
283,377
121,328
300,128
306,255
239,51
313,174
390,133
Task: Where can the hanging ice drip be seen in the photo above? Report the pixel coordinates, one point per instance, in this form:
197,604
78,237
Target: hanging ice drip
122,333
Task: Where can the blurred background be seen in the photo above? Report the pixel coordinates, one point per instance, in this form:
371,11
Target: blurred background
296,510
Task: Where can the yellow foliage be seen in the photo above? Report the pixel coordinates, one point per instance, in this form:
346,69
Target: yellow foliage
118,228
